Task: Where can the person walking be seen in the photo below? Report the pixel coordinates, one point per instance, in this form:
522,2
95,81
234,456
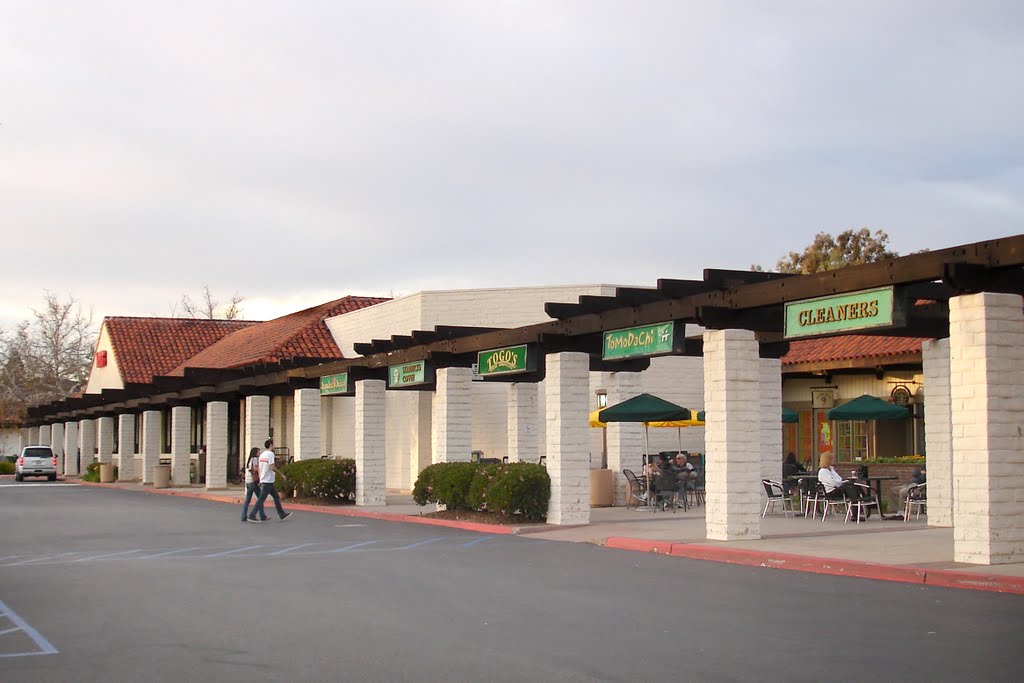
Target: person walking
268,472
252,482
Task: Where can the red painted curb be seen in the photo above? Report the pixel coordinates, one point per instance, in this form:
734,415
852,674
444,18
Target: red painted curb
979,582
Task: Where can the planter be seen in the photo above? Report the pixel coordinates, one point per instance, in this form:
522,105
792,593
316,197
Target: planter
600,488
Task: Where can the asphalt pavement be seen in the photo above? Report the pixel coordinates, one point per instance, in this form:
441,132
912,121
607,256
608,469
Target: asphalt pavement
101,585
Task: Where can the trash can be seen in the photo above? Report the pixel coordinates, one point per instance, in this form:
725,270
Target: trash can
600,488
106,472
161,476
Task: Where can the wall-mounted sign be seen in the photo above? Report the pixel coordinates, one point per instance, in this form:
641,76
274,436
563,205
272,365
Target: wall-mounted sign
410,374
506,361
823,398
637,342
334,385
843,313
901,395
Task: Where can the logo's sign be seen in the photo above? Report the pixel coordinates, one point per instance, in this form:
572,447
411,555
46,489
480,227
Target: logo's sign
635,342
334,385
409,374
843,313
506,361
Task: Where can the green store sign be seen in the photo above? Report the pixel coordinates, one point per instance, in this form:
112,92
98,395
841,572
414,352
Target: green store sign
409,375
506,361
333,385
844,313
636,342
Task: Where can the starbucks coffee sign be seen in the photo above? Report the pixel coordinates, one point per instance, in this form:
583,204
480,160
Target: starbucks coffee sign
335,385
410,374
509,360
843,313
636,342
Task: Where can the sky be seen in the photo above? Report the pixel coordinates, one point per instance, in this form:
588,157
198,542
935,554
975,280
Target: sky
295,152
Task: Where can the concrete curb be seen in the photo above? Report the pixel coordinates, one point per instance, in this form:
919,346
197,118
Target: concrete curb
824,565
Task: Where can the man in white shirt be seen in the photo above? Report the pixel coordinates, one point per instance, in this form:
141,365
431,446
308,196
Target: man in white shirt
268,472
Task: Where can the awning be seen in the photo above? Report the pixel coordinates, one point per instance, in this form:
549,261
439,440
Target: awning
868,408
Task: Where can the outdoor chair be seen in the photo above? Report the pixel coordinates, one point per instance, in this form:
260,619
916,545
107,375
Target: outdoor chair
776,496
916,498
857,507
825,500
636,490
696,489
666,491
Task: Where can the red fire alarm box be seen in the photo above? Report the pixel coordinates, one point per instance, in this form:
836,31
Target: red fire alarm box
101,359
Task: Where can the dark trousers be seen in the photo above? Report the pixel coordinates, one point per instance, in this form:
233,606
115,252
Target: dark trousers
251,489
267,489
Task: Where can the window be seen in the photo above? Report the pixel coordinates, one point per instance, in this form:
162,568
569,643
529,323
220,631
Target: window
851,440
198,429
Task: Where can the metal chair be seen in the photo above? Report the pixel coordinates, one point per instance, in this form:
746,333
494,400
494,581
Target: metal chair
776,494
827,500
867,500
697,491
635,489
916,498
666,492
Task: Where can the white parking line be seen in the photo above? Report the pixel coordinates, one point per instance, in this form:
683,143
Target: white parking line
235,550
350,547
45,647
100,557
40,559
169,552
417,545
288,550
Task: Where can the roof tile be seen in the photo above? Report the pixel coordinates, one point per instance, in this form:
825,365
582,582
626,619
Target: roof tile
848,347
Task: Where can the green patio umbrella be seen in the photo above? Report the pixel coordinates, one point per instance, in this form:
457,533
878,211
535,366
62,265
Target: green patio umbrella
789,416
868,408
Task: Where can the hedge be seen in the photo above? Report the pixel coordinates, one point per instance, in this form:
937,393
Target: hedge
324,478
509,489
7,468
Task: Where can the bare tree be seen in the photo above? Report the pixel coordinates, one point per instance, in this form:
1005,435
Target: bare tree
849,248
210,308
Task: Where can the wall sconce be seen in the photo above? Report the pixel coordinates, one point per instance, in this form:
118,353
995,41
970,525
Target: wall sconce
602,398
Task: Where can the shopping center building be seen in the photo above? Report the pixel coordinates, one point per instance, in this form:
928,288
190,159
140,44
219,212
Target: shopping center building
395,385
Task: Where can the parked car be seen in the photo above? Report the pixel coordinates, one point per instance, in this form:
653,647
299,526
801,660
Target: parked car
36,461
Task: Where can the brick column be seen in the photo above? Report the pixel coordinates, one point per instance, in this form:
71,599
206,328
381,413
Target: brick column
523,438
24,438
938,432
150,444
126,448
33,437
307,424
57,439
70,448
770,393
217,445
181,436
452,433
986,350
369,433
625,439
257,423
105,438
87,441
45,438
567,390
732,436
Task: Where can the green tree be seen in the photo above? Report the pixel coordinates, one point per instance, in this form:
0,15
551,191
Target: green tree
849,248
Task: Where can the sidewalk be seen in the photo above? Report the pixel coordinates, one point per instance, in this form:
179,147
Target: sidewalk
880,549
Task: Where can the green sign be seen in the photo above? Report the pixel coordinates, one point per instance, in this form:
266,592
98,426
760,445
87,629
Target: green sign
332,385
635,342
504,361
407,374
842,313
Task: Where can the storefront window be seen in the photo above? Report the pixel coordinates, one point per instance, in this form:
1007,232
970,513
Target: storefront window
851,440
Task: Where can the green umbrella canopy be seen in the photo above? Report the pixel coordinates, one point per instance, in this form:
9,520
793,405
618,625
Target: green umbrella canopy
789,416
868,408
644,408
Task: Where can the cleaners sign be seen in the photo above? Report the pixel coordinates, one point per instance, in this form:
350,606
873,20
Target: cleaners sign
843,313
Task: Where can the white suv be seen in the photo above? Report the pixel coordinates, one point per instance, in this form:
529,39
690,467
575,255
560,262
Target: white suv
36,461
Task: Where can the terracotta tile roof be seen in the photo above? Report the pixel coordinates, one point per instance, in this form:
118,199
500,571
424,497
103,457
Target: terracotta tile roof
297,335
849,347
147,347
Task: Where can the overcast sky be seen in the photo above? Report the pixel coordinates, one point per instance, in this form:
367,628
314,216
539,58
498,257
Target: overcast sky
297,151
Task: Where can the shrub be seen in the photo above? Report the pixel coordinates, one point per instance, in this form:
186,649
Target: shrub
6,467
92,472
508,489
483,479
446,483
324,478
520,487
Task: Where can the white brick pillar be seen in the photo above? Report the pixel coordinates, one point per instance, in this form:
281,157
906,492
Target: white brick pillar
126,447
33,436
150,444
70,448
257,423
567,389
732,435
217,445
24,438
87,441
452,433
523,435
938,432
986,351
625,439
369,432
181,437
105,438
45,438
770,393
56,436
307,424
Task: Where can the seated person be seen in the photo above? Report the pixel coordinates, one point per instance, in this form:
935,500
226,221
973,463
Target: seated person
918,477
835,485
791,468
683,470
650,473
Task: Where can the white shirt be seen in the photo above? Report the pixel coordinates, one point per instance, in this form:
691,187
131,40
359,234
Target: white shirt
248,472
266,473
830,478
